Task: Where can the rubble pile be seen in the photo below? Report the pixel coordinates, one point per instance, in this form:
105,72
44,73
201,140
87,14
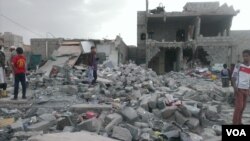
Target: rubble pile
128,103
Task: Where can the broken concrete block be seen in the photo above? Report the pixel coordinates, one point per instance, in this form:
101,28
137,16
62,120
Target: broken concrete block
48,117
217,129
136,94
68,136
144,102
212,109
147,130
141,125
180,119
135,131
145,137
153,101
212,113
157,113
161,104
121,134
128,89
172,134
168,111
215,138
62,122
41,111
26,135
208,133
18,125
41,126
129,114
193,110
144,115
89,125
68,129
69,89
81,108
195,137
183,110
110,117
113,120
31,112
193,123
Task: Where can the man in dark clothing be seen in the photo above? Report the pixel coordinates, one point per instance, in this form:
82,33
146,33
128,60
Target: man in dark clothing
225,76
92,62
3,84
19,66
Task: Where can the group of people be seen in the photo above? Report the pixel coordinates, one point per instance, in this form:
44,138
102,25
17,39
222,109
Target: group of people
17,64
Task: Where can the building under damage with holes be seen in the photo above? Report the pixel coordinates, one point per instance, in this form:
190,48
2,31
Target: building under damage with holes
200,34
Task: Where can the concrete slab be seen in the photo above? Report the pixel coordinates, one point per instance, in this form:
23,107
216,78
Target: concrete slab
81,108
66,136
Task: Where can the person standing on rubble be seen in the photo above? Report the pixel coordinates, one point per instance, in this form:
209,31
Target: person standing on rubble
241,83
3,84
19,66
225,76
92,63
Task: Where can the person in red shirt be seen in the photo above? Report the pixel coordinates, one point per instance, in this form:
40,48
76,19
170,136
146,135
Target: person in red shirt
19,66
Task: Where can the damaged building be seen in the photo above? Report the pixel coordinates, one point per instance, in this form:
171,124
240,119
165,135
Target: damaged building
201,32
59,53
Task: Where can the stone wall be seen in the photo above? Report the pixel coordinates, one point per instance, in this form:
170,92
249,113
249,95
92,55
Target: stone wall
242,39
217,54
141,28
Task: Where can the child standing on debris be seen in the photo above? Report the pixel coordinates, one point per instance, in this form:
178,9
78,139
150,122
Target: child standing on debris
241,83
225,76
3,84
19,66
92,63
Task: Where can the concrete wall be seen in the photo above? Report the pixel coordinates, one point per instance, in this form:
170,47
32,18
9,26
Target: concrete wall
38,46
217,54
242,39
141,28
111,52
122,50
136,54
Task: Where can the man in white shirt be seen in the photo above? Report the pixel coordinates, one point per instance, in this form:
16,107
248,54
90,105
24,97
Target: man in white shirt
241,84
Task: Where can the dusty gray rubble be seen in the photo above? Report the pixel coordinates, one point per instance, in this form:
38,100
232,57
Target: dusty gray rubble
128,103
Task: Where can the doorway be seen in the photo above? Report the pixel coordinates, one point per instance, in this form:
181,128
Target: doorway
170,60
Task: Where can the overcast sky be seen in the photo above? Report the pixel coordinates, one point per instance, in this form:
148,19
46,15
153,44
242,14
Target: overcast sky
91,18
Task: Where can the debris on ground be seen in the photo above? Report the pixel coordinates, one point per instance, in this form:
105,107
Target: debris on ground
128,102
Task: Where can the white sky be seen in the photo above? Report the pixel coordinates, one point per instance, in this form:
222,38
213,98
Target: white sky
93,18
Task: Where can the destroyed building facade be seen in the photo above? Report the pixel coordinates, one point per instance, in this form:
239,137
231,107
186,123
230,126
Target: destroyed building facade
200,32
76,51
